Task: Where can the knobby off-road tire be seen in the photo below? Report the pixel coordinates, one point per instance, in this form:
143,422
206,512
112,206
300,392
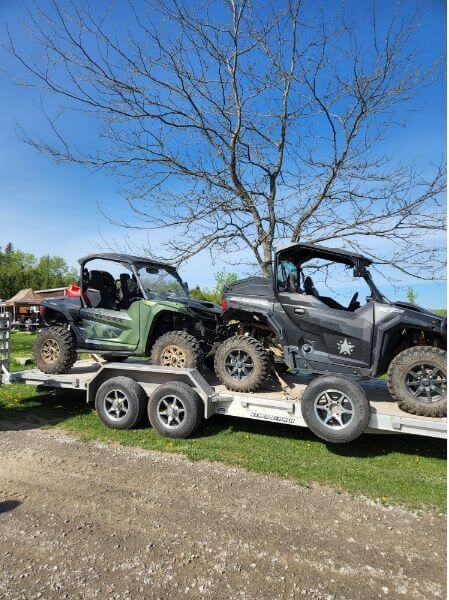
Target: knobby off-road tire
55,350
175,409
424,369
242,364
335,408
177,349
121,403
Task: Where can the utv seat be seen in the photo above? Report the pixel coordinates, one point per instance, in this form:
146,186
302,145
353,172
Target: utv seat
105,284
129,291
292,283
309,287
110,289
125,299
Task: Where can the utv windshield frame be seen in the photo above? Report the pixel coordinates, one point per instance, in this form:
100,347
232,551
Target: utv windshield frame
300,253
169,269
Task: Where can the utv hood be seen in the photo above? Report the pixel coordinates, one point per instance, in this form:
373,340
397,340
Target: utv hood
418,309
421,317
200,308
204,307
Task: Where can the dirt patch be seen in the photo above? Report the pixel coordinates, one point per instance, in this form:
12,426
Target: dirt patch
86,520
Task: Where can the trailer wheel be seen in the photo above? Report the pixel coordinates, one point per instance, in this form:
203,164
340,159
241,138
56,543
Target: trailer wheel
120,403
335,408
175,409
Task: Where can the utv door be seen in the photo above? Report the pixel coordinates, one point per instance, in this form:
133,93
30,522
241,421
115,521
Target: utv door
111,329
332,336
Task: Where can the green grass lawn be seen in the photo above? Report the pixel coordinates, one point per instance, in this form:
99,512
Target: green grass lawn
393,468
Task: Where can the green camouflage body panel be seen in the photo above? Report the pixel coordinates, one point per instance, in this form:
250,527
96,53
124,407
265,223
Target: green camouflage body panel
125,330
149,311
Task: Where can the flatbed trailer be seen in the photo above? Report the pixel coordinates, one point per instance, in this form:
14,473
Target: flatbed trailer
273,404
178,399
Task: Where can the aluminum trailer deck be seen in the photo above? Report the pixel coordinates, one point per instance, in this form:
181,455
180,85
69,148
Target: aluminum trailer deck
272,405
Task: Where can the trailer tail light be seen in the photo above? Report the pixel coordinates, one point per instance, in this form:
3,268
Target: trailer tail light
41,310
224,304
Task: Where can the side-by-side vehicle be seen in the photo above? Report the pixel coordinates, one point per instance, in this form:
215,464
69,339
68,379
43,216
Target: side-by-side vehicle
145,309
285,321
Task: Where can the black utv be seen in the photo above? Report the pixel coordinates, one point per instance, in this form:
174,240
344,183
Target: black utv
285,321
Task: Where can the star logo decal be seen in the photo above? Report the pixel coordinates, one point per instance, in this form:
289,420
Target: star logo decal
345,347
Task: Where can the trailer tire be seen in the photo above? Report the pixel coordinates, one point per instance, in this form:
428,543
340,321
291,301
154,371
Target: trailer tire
120,403
335,408
55,350
407,367
249,356
175,410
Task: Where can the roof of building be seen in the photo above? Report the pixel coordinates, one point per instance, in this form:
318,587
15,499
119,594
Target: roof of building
327,253
128,259
57,289
26,296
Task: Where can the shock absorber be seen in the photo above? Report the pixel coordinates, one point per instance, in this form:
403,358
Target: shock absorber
421,340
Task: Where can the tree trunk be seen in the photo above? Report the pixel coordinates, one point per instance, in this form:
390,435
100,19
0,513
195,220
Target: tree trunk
267,267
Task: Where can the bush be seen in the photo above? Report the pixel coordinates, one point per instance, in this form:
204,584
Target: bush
216,293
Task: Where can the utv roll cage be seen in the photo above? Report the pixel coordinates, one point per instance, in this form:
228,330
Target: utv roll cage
301,252
104,283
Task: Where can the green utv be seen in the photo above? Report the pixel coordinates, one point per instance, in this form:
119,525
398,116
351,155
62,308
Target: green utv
126,306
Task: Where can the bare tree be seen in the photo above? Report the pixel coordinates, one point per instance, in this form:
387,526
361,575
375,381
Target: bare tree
241,124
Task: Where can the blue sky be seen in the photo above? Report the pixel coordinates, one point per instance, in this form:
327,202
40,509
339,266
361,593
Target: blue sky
50,208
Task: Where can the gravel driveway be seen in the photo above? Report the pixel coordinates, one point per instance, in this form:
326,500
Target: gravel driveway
85,520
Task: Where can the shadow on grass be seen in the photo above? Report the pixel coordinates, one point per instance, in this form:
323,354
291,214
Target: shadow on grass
368,445
51,409
42,409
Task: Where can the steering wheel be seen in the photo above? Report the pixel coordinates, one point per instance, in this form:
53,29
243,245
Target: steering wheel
353,305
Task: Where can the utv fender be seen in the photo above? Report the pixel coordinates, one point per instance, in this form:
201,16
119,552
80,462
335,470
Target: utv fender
64,312
55,307
255,315
276,325
64,318
389,328
150,322
57,315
